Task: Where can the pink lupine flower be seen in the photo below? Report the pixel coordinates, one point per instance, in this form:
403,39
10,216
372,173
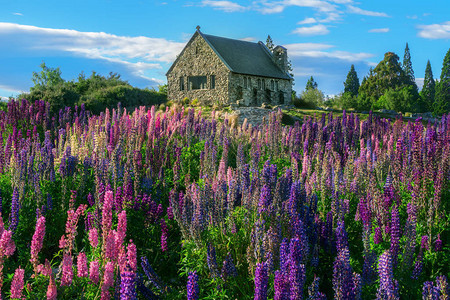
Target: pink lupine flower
93,237
51,290
45,269
107,211
164,232
17,284
131,255
93,271
110,251
67,272
122,226
36,242
7,246
82,265
108,280
62,242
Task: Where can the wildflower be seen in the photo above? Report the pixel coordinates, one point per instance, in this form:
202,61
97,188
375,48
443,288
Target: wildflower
127,284
67,272
261,281
82,265
51,290
94,271
36,242
193,289
17,284
93,237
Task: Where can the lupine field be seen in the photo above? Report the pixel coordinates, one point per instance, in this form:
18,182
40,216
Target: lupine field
175,205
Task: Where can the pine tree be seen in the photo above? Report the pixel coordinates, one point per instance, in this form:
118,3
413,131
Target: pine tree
407,66
269,43
311,84
428,90
442,99
351,84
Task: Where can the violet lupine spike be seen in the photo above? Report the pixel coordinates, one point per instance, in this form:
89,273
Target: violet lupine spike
378,237
193,290
164,232
127,284
261,281
438,244
341,237
314,292
281,286
284,256
297,276
429,291
212,260
343,284
388,288
442,285
395,233
14,216
229,269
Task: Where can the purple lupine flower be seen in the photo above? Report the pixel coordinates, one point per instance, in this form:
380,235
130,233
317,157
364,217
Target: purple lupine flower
211,260
300,233
369,272
429,291
151,274
418,266
395,233
313,291
281,286
296,254
14,216
297,280
49,202
265,199
90,199
388,285
193,289
341,237
442,285
127,284
343,284
229,269
261,281
284,256
1,201
378,237
438,243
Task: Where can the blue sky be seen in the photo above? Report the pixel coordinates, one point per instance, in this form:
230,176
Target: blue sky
140,39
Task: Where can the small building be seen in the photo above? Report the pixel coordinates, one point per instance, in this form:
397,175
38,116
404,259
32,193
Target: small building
218,70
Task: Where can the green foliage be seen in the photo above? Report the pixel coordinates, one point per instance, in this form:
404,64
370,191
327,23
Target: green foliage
387,75
400,99
97,92
442,100
407,66
348,100
269,43
309,98
351,84
311,84
428,92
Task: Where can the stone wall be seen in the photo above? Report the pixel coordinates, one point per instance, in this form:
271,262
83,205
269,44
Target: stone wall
198,59
251,93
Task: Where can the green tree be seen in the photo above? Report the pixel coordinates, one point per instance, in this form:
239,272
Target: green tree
311,97
407,66
46,78
442,100
311,84
269,43
428,90
351,84
388,74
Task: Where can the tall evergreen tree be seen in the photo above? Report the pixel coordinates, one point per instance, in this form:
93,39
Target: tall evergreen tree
351,84
407,66
311,84
428,90
269,43
442,99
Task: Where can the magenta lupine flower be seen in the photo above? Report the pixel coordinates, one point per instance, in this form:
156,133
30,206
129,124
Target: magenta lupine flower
378,238
424,242
36,242
170,212
67,271
281,286
132,256
438,243
164,232
7,245
82,265
193,289
121,226
45,269
93,237
17,284
51,289
261,281
108,280
110,247
94,271
107,211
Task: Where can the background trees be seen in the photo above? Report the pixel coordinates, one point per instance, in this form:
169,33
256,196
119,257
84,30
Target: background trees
442,100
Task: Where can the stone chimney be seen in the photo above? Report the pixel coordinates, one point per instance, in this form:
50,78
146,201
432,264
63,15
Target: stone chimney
280,57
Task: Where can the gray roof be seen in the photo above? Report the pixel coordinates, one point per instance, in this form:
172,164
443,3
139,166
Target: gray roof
245,57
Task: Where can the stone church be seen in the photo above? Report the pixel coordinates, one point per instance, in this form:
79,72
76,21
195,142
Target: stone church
218,70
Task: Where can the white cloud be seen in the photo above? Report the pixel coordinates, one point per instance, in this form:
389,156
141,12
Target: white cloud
249,39
226,6
419,82
98,45
270,7
314,50
319,29
2,98
435,31
307,21
356,10
379,30
17,14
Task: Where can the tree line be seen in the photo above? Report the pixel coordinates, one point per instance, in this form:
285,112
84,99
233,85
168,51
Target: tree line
390,85
96,92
